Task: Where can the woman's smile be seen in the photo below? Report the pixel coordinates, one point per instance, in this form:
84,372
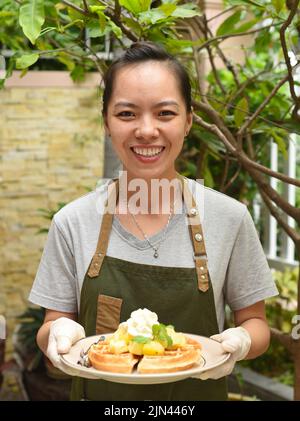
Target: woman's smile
148,153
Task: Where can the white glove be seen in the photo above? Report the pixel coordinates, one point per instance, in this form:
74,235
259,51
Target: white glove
235,340
63,334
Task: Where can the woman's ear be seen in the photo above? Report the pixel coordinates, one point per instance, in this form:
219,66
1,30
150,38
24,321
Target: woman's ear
106,129
189,122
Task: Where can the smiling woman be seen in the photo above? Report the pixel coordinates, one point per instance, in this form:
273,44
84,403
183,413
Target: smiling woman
183,261
147,125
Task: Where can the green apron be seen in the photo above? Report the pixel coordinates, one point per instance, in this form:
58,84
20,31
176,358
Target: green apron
183,297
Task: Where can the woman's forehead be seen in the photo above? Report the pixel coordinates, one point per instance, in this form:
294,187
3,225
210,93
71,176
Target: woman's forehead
150,78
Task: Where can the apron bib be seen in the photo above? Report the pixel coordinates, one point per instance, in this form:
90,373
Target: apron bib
183,297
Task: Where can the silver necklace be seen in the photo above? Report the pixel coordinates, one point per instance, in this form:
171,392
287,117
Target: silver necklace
155,248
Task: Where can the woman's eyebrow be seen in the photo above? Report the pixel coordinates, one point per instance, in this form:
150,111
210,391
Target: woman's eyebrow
159,104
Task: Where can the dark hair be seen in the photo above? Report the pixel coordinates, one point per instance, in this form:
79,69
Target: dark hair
140,52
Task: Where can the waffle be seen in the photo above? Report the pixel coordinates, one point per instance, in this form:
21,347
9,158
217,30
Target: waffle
172,361
180,359
101,358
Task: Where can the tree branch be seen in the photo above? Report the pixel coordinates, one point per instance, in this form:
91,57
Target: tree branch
284,339
265,170
212,63
119,23
271,122
242,87
77,8
233,178
285,50
261,107
213,128
240,34
272,193
217,120
225,173
274,211
222,13
86,7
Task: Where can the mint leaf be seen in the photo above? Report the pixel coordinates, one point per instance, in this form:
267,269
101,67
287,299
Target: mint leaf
160,334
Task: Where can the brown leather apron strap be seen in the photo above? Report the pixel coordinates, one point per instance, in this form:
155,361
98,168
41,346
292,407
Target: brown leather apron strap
197,237
103,239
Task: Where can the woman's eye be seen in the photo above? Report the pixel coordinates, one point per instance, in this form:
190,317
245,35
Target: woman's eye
166,113
125,114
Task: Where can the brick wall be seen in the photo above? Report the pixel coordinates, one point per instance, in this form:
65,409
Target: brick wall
51,150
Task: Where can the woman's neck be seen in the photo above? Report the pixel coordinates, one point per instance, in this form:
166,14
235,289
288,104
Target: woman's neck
148,196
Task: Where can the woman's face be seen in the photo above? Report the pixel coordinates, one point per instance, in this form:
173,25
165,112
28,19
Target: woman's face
147,120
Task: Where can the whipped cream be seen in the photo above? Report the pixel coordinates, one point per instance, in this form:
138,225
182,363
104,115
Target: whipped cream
141,321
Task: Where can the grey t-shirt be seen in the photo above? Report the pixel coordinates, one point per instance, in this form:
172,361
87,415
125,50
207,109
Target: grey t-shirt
237,264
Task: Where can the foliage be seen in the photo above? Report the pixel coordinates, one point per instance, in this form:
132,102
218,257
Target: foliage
30,322
48,214
276,362
58,30
53,29
260,71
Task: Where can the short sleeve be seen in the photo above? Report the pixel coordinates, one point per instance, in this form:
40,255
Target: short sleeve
54,286
249,278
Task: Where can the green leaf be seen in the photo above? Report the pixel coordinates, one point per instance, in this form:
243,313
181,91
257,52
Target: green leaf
102,17
26,60
114,28
246,26
242,3
167,9
32,18
229,24
291,126
6,14
208,178
151,16
97,9
141,339
185,12
160,334
280,143
136,6
240,112
278,5
132,24
65,59
77,74
93,29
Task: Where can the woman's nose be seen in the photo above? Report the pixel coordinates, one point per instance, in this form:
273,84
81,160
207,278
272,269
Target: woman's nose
147,128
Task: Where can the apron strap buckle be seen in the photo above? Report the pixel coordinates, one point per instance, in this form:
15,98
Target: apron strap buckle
202,271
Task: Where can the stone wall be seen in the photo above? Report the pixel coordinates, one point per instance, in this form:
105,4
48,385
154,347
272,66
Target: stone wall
51,151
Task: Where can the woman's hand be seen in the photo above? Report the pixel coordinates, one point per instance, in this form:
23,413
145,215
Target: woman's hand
235,340
63,333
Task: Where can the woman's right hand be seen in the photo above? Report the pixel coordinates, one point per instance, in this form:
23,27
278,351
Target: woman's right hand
64,332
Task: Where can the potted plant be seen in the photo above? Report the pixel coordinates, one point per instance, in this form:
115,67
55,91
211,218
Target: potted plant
41,379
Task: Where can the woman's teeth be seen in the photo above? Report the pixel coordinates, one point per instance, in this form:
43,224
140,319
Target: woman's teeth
148,151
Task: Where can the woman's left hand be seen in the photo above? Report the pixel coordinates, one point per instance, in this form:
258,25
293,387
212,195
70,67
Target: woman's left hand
235,340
